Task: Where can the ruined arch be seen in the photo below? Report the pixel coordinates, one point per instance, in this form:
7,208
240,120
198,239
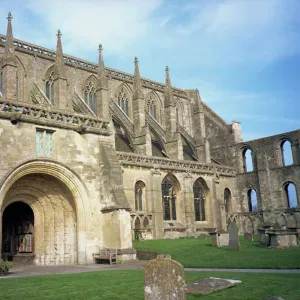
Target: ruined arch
290,195
247,159
284,148
19,186
282,221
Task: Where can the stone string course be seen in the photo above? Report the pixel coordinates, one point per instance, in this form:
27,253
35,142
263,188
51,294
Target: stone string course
130,159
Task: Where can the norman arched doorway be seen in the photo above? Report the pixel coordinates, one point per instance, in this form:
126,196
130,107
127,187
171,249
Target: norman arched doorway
39,218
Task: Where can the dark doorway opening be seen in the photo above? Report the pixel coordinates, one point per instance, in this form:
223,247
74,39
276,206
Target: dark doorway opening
17,230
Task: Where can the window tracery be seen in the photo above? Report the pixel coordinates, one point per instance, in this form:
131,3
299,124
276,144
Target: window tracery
199,202
123,100
50,88
90,97
152,107
169,200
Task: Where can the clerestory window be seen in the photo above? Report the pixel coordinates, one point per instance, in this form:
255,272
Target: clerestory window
90,97
50,88
151,107
123,101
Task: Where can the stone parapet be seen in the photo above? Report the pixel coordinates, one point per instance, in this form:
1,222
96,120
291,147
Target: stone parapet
86,65
20,111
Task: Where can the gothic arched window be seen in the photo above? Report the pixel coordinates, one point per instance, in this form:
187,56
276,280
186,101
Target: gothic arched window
286,153
291,195
252,200
1,84
123,100
248,160
227,200
199,202
139,191
50,88
152,107
90,97
169,200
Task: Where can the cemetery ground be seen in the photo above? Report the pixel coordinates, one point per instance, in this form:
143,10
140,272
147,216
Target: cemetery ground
122,284
197,253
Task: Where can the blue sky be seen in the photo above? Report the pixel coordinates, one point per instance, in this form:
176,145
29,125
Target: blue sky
242,55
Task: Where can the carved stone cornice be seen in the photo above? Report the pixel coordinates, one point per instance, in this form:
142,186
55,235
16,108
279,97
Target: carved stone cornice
86,65
53,117
131,159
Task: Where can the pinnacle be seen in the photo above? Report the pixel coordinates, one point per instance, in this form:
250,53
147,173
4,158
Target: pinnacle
59,34
9,17
100,47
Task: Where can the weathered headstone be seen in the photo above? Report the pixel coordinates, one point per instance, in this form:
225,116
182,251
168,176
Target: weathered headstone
203,236
248,236
164,279
234,242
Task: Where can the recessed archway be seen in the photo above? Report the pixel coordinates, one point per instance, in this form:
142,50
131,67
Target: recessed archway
54,214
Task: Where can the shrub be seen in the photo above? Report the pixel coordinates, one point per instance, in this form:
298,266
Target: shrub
5,266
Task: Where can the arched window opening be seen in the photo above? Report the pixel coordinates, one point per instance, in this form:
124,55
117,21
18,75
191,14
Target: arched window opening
1,84
152,107
252,200
179,113
169,200
139,191
291,195
199,201
123,100
247,160
146,222
122,142
90,97
286,153
50,88
227,200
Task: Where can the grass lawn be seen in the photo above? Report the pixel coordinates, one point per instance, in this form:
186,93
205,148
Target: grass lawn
129,285
193,252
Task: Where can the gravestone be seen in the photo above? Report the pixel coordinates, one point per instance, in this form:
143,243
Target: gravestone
248,236
164,279
203,236
234,242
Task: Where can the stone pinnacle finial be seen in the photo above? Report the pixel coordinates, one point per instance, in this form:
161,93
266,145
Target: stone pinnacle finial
137,82
100,47
167,69
58,34
169,100
9,45
9,17
59,69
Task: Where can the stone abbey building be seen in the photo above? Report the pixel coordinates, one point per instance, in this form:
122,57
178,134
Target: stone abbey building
91,156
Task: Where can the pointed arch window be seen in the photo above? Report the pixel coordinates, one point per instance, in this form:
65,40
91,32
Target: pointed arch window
50,88
286,153
199,202
291,195
169,200
90,97
139,191
1,83
152,107
252,200
248,165
227,200
123,100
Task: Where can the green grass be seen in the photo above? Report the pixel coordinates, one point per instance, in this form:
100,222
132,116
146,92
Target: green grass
193,252
129,285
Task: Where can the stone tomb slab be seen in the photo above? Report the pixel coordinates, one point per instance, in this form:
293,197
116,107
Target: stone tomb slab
164,279
209,285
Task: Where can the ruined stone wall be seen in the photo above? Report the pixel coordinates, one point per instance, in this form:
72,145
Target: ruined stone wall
269,177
